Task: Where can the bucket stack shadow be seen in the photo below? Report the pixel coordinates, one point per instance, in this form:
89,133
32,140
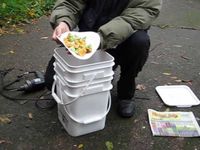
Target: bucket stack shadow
82,90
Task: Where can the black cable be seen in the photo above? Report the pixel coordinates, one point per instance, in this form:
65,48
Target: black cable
14,99
5,87
19,77
3,73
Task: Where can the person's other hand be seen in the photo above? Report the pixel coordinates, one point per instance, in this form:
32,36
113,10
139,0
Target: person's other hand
61,28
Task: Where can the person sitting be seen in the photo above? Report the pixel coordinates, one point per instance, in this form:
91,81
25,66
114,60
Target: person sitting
123,28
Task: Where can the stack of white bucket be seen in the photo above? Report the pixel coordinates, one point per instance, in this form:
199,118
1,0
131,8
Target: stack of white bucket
82,91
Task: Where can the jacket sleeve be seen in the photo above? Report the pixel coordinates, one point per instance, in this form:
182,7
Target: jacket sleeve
68,11
139,14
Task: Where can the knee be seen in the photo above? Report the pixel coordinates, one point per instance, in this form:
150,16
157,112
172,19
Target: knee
140,40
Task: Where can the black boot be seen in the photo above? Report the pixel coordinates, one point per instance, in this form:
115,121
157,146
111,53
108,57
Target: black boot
46,101
126,108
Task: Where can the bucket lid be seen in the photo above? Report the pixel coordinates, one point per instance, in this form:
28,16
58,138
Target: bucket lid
177,95
82,69
100,57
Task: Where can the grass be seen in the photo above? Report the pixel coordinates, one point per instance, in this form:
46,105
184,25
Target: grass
22,11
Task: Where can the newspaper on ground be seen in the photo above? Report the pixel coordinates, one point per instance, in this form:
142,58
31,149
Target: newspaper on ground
180,124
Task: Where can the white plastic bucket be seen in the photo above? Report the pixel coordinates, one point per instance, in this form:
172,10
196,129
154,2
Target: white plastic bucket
84,87
82,91
81,76
85,106
77,127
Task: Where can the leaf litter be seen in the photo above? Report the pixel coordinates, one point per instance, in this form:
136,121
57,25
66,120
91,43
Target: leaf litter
6,118
109,145
30,116
140,87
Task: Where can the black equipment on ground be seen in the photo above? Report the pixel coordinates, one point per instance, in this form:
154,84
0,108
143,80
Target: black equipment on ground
34,84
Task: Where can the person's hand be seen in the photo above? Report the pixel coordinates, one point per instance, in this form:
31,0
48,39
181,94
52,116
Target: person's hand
61,28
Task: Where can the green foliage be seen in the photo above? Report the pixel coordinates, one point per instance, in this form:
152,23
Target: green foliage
17,11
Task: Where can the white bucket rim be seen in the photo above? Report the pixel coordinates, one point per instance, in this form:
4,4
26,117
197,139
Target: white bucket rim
86,70
95,63
83,84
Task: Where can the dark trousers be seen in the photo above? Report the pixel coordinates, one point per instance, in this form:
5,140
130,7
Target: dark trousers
130,55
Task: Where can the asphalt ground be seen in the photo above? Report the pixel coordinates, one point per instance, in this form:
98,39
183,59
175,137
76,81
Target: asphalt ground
173,60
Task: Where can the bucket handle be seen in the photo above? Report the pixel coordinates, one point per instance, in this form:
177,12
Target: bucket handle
57,99
82,91
91,120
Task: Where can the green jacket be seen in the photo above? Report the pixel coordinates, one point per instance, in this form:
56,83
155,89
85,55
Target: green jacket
139,14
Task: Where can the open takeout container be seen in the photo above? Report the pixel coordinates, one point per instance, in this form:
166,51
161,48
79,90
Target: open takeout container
177,95
92,38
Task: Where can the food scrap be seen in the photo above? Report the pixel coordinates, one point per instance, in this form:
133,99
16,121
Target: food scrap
77,44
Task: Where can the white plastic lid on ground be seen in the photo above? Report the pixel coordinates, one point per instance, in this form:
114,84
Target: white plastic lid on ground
177,95
92,38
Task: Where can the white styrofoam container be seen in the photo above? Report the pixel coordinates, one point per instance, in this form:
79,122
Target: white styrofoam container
177,95
91,38
92,104
76,77
79,127
100,59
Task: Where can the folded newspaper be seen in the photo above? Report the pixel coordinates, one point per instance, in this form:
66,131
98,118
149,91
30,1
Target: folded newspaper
180,124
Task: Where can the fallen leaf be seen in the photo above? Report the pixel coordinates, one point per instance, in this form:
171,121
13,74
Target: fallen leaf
42,97
44,38
187,81
5,119
184,81
166,73
109,145
80,146
152,143
178,81
174,77
163,26
178,46
153,62
8,52
184,57
30,116
4,141
2,31
143,127
11,52
167,110
140,87
21,31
